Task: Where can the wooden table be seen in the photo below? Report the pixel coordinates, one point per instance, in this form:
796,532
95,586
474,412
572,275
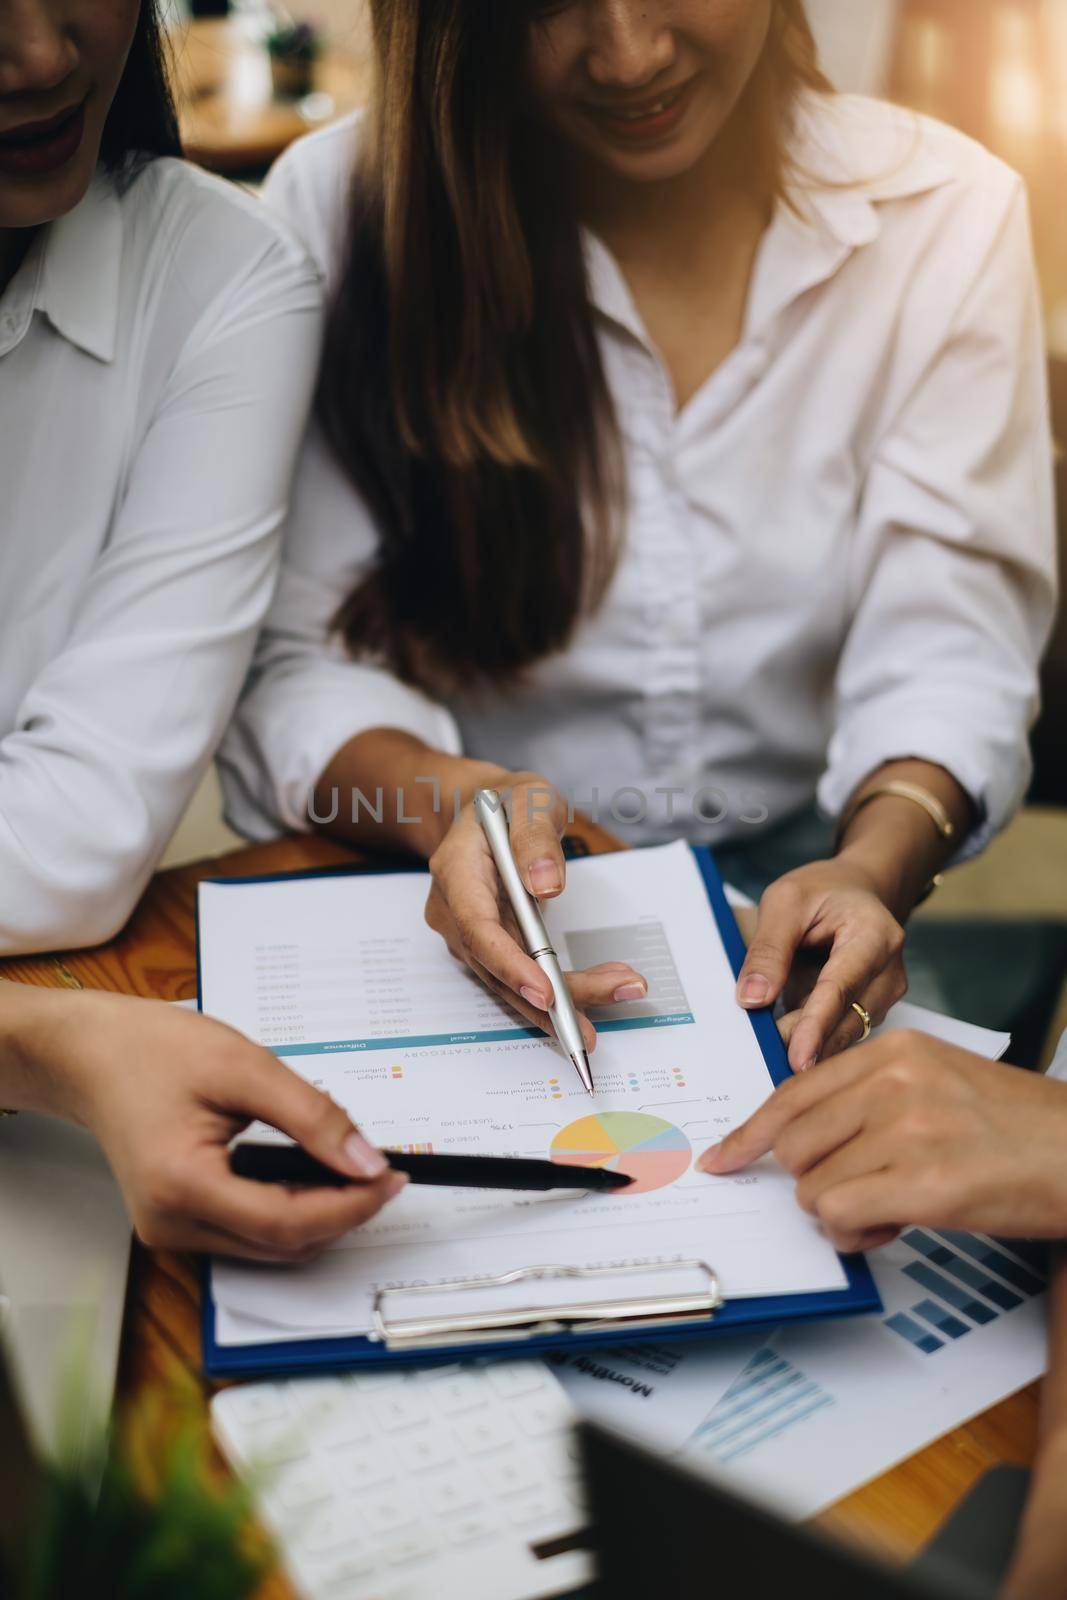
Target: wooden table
230,119
154,957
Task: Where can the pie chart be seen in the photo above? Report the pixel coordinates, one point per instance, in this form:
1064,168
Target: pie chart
650,1150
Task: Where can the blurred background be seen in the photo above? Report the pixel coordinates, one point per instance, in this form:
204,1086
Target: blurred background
251,77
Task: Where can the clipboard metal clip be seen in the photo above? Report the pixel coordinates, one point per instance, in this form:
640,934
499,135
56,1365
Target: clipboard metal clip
616,1313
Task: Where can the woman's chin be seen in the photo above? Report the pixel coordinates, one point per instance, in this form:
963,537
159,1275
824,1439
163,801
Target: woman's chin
33,201
656,161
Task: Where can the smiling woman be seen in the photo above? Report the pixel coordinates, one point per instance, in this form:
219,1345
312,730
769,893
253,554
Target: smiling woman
158,335
682,453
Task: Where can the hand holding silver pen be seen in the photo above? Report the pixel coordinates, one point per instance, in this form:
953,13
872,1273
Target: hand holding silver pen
489,809
467,908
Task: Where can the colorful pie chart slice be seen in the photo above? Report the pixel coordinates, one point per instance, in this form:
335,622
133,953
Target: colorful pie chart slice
651,1151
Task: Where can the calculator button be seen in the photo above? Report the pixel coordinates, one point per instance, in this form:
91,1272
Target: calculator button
344,1569
403,1408
454,1493
456,1395
318,1397
511,1379
368,1470
303,1485
512,1475
408,1546
268,1444
385,1512
260,1402
425,1450
471,1525
329,1528
344,1427
541,1506
542,1414
489,1432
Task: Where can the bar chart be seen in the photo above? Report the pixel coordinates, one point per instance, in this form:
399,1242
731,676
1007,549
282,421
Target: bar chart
968,1280
939,1287
770,1397
646,947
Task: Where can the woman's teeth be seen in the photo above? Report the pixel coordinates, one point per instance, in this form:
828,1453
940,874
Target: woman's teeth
641,113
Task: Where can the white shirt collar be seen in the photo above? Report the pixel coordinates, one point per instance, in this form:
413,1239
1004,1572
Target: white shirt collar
847,159
78,285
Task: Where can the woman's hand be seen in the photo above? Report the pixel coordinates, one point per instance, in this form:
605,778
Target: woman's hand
909,1130
467,908
164,1091
824,939
1040,1560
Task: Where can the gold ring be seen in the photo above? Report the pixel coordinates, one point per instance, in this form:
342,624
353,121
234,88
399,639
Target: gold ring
865,1018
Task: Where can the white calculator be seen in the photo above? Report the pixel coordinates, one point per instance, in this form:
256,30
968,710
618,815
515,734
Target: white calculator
447,1483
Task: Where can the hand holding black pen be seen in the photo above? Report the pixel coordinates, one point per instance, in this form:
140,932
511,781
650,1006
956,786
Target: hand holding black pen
286,1163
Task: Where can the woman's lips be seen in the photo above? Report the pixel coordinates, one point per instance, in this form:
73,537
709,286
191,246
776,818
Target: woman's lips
37,148
649,122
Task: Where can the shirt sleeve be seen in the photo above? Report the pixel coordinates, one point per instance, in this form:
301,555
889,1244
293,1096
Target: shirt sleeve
954,573
306,698
116,732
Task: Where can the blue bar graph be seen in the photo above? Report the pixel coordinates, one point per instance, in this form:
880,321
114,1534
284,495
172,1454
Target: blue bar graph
979,1272
988,1255
966,1271
769,1397
927,1278
921,1338
941,1319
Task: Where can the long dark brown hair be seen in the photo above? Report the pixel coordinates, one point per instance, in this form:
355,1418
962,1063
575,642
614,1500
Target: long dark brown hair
142,122
462,389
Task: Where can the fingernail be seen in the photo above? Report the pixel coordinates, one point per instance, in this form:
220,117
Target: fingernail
545,878
394,1183
806,1066
534,998
363,1158
754,991
631,991
707,1160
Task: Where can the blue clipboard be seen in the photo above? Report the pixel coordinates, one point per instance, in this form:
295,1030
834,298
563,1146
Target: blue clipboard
738,1316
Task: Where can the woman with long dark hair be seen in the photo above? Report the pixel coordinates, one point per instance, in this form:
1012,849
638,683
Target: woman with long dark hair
682,451
158,337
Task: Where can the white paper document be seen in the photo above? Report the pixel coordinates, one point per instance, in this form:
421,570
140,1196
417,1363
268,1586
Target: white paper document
807,1416
966,1035
341,977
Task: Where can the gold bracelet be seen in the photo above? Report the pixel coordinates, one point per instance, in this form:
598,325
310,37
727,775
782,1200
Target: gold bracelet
902,791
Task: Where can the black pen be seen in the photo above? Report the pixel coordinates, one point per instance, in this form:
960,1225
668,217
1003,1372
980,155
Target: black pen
287,1163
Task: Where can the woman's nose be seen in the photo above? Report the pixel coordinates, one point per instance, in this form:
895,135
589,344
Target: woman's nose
37,54
631,44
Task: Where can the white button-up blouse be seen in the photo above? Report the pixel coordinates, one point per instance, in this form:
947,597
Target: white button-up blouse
839,552
157,352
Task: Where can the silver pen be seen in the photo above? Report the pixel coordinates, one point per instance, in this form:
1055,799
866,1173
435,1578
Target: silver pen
489,809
